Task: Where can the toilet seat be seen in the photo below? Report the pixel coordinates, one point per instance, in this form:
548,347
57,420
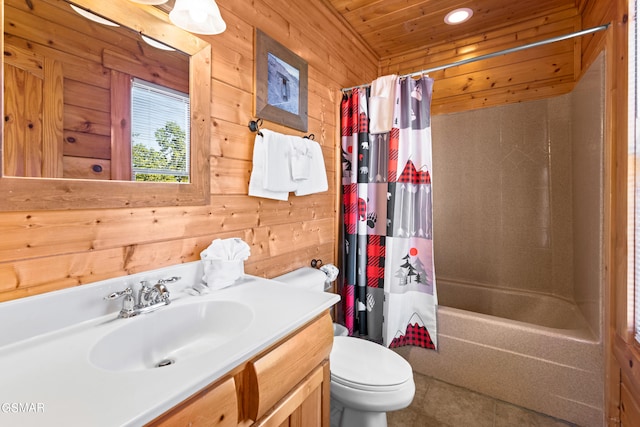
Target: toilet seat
363,365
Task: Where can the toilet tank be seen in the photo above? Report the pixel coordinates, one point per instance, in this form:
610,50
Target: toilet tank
313,279
307,277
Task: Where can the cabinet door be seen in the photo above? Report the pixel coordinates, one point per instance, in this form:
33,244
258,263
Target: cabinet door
272,376
215,406
306,406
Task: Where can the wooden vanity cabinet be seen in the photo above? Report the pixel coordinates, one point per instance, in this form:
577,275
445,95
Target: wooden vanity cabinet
286,385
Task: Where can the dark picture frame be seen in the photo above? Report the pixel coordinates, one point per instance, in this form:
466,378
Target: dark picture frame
281,84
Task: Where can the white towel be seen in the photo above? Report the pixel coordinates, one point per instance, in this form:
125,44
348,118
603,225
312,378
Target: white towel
277,167
317,181
256,186
381,103
223,263
300,159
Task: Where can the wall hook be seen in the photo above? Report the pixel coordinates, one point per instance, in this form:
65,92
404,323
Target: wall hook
254,126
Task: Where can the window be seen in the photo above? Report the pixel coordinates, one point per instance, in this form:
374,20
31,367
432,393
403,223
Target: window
159,133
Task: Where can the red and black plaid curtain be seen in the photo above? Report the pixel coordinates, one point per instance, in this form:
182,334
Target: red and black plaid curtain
388,282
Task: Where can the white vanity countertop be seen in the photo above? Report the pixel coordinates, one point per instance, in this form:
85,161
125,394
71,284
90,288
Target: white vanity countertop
48,379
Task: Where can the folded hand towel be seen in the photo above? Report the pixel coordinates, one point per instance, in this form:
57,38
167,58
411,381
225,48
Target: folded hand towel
227,250
223,263
317,181
277,173
300,159
256,182
381,104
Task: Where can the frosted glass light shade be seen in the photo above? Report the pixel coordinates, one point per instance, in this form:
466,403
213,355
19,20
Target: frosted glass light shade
149,1
198,16
92,16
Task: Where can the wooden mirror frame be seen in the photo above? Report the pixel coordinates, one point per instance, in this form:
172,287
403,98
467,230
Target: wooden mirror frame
24,194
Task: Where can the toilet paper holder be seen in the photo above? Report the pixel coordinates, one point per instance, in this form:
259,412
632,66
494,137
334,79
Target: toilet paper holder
330,270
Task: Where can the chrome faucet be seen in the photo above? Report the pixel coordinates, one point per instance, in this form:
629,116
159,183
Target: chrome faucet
150,298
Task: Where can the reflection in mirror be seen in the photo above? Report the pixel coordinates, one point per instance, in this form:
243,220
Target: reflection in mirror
69,82
68,111
159,131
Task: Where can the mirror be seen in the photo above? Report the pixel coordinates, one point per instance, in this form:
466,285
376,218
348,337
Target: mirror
77,125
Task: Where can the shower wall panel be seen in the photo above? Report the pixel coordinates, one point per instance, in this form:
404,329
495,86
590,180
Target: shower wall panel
518,195
498,218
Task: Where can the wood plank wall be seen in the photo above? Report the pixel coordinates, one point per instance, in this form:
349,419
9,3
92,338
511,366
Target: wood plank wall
42,251
531,74
622,357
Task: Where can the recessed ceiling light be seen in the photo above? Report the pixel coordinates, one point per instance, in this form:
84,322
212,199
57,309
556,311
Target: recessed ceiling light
458,16
93,17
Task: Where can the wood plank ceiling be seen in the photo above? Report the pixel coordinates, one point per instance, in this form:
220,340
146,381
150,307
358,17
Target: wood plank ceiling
395,27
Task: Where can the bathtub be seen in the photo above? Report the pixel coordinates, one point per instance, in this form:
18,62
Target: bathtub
532,350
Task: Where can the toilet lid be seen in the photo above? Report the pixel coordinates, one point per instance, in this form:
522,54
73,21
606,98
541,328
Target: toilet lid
363,364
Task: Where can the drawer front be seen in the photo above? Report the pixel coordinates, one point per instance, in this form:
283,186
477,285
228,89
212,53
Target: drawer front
273,375
215,406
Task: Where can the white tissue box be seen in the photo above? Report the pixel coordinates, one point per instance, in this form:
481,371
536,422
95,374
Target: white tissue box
221,273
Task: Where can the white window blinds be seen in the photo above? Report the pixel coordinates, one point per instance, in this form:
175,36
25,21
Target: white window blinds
159,133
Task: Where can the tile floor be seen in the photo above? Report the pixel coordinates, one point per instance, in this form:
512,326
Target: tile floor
438,404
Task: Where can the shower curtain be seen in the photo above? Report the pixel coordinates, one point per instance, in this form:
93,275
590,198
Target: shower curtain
388,283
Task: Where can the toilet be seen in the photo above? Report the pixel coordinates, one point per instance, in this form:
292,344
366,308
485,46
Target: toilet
367,379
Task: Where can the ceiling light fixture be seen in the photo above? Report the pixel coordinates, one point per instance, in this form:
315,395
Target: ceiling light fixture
93,17
458,16
198,16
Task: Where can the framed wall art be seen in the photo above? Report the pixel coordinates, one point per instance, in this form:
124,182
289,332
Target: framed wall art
281,84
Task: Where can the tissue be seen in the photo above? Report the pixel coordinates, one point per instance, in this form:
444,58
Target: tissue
223,262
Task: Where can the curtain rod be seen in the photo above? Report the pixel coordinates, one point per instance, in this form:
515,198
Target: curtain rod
494,54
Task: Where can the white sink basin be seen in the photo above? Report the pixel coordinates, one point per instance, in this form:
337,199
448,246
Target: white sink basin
170,335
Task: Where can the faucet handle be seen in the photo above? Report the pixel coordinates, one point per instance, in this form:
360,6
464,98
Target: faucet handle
163,292
116,295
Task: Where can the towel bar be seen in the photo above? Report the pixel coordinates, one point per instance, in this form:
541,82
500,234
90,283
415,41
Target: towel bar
254,126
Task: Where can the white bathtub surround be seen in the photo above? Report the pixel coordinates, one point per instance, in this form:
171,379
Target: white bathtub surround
548,363
50,342
522,185
521,188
